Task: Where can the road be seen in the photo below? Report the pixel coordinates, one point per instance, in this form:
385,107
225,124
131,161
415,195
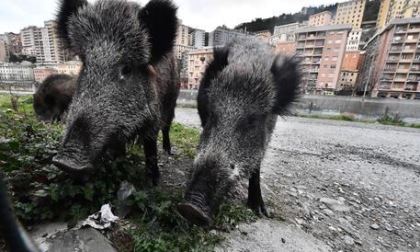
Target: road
339,186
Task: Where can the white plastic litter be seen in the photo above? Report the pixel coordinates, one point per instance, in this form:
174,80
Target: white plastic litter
100,220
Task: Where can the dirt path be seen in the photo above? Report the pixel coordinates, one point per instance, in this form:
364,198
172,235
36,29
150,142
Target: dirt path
341,186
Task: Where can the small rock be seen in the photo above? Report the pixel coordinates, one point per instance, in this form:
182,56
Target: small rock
348,240
374,226
340,208
283,240
328,212
322,206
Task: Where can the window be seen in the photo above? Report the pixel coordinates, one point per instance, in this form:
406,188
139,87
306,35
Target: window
333,66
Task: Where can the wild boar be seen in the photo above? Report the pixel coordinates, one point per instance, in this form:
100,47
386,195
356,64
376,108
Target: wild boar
128,84
242,92
53,97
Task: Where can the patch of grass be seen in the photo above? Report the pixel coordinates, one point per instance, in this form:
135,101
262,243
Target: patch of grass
343,117
42,193
392,120
186,139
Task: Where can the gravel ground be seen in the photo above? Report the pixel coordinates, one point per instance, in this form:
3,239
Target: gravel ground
341,186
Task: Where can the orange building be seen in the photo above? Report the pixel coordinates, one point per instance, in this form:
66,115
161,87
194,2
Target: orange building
286,47
41,73
197,62
352,61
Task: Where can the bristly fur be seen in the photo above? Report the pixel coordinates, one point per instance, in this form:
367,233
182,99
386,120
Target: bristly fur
128,84
159,17
220,61
67,9
53,78
287,76
242,92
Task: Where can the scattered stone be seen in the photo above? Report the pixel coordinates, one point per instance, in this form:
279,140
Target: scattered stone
340,208
348,240
328,212
374,226
322,206
283,240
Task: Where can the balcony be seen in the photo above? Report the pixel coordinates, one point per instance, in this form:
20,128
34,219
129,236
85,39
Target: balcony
413,29
392,60
402,70
401,31
397,41
408,50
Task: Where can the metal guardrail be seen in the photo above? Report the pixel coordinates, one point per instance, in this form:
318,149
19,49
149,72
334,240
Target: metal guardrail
18,87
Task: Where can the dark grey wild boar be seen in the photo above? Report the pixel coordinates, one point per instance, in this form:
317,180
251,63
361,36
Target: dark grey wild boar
128,84
242,92
53,97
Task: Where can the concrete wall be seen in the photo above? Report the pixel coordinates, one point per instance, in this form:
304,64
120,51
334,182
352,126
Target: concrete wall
371,107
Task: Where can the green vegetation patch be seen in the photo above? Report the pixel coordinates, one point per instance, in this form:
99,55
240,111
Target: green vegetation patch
42,193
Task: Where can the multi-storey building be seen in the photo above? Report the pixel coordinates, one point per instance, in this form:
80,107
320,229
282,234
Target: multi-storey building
396,9
320,19
16,72
182,37
222,35
283,33
4,51
411,9
43,43
69,67
394,57
265,36
28,40
51,43
197,62
286,47
42,72
350,12
322,49
198,38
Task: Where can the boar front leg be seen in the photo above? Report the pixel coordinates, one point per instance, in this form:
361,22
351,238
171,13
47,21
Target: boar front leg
255,200
150,152
166,141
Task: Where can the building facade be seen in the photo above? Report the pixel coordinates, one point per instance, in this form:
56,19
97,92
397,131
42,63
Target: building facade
283,33
197,62
396,69
320,19
286,47
350,12
4,51
198,38
322,50
16,72
70,68
41,73
222,35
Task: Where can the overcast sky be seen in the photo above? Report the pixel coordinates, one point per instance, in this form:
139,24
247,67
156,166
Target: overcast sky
202,14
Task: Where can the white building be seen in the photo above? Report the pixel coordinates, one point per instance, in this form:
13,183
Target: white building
198,38
16,72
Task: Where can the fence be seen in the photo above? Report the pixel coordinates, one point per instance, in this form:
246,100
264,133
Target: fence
18,87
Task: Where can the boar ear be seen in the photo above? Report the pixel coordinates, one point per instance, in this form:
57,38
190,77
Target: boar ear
287,76
219,62
66,9
159,17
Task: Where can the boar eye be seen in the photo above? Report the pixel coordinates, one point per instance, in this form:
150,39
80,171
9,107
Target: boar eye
125,70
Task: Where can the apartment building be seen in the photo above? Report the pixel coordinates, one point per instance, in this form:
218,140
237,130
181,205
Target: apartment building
28,40
320,19
396,9
222,35
16,72
4,51
69,67
42,72
182,37
286,32
198,38
395,61
265,36
286,47
197,62
43,43
350,12
322,50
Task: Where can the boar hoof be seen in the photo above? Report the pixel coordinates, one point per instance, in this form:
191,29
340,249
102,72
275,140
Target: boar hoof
193,214
258,207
